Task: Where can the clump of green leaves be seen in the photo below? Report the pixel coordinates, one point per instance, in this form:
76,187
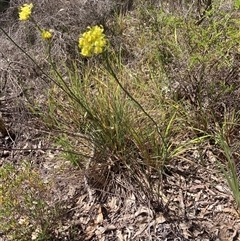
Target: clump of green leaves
24,210
237,4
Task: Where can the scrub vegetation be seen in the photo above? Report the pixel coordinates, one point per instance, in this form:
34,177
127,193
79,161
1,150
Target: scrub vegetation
124,120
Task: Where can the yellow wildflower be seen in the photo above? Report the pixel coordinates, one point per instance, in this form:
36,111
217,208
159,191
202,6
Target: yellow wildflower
92,41
25,11
46,34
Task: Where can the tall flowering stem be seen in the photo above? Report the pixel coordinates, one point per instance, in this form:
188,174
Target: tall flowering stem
93,42
25,13
65,88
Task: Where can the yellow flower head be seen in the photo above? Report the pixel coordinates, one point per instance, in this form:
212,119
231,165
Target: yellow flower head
92,41
25,11
46,35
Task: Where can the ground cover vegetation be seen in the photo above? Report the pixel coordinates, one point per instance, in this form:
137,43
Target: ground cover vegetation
120,121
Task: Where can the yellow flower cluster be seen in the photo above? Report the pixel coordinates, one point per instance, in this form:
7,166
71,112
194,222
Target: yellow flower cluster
92,41
46,34
25,11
